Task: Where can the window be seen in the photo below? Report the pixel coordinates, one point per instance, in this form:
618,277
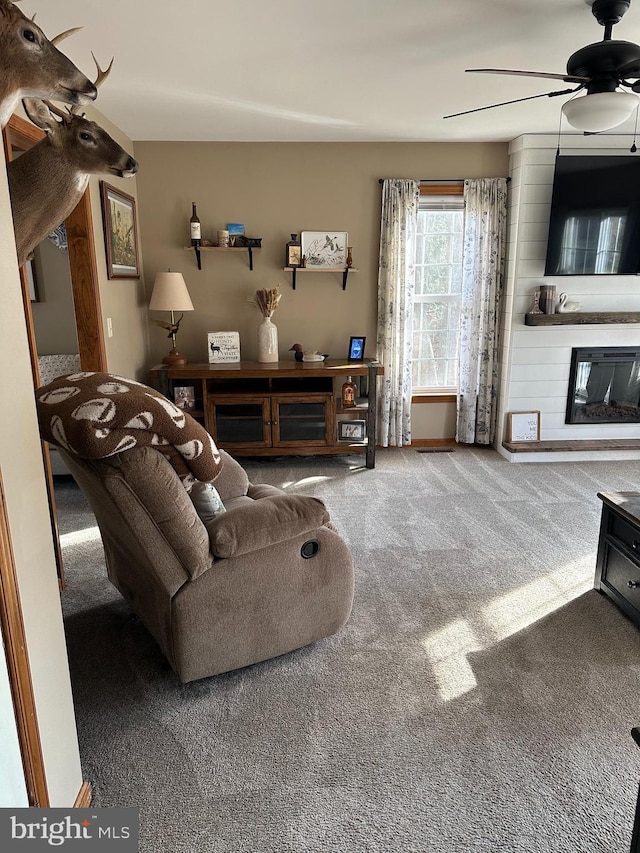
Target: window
438,288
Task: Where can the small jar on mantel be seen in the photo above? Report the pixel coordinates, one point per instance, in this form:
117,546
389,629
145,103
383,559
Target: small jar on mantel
349,394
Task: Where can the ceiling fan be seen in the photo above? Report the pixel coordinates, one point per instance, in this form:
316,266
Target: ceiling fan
600,69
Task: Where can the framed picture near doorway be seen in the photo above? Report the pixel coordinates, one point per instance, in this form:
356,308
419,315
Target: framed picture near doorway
120,232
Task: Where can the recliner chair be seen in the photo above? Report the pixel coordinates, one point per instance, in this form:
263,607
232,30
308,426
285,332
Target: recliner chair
268,576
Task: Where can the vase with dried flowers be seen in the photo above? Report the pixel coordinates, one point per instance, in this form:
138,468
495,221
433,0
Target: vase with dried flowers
267,301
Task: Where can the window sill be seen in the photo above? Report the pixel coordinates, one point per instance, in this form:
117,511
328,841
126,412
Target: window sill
434,397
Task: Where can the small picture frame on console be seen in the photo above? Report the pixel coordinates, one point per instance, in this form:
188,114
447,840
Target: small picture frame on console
351,430
356,348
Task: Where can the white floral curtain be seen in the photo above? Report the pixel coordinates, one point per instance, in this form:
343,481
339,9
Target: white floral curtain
482,280
396,283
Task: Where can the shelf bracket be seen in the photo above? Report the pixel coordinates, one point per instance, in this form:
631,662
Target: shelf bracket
198,257
345,273
250,250
293,277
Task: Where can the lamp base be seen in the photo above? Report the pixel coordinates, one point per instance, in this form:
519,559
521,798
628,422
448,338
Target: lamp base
174,359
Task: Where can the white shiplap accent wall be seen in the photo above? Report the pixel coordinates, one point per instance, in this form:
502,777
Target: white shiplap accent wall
535,361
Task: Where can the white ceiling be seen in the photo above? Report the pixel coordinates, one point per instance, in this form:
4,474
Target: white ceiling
325,70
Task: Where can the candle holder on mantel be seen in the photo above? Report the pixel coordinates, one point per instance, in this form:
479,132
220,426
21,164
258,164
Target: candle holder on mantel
536,303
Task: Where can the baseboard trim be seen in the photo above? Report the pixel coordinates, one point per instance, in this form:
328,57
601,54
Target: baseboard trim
433,442
83,800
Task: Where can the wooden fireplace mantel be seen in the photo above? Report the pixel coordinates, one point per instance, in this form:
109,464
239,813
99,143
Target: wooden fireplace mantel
582,318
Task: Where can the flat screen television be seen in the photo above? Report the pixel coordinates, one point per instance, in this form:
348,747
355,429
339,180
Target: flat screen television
594,228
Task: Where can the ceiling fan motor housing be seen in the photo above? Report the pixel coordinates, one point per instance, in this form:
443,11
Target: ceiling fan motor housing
609,11
600,63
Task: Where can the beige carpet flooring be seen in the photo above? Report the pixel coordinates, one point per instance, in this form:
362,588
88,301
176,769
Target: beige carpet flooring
479,699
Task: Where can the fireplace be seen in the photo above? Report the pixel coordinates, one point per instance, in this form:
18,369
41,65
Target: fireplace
604,386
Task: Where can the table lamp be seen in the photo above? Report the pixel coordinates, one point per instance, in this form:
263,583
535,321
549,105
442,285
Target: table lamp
170,294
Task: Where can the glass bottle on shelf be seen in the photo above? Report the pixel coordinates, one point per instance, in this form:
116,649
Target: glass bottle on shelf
194,227
349,393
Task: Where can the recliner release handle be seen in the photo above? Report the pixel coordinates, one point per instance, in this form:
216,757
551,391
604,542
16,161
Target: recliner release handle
309,549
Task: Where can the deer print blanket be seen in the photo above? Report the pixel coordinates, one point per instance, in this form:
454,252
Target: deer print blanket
95,415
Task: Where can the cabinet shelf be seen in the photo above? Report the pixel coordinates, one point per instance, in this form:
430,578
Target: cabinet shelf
249,249
291,411
344,271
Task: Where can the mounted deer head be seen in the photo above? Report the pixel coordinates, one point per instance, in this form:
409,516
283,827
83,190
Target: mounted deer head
32,67
48,180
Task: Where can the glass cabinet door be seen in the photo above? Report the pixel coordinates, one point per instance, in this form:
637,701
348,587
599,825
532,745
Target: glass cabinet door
302,419
240,421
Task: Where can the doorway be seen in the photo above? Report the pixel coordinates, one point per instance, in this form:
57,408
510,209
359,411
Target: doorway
19,136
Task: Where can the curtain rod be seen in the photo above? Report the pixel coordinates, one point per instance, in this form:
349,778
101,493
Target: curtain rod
439,180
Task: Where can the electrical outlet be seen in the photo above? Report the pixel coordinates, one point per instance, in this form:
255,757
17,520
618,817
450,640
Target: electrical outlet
109,328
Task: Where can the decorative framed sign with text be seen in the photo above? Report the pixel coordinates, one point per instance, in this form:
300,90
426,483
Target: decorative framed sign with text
324,249
120,232
223,347
523,426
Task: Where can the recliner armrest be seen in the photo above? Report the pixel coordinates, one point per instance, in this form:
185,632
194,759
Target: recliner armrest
265,522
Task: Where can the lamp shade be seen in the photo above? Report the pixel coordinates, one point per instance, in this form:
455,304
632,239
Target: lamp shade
600,111
170,293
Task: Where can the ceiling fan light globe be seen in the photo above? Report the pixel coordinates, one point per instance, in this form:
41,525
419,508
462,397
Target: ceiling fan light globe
600,111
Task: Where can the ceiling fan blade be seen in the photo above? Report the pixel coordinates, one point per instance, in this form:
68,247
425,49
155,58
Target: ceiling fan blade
568,78
515,101
631,69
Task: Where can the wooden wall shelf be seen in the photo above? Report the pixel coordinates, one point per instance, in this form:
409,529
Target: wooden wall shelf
582,318
249,249
343,271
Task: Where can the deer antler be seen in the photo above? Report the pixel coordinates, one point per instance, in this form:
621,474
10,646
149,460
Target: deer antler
102,75
65,34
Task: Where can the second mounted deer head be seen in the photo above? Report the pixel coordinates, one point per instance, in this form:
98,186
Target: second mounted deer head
48,180
31,66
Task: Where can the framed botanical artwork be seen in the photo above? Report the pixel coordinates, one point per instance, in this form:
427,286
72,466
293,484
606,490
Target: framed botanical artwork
324,249
120,232
351,430
523,426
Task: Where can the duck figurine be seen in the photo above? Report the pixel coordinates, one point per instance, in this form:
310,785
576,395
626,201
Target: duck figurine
565,307
297,351
301,354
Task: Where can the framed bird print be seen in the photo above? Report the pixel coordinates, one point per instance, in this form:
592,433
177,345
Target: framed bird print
120,232
324,249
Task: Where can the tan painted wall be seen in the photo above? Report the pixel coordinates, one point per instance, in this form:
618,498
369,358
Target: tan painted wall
53,316
122,299
276,189
26,499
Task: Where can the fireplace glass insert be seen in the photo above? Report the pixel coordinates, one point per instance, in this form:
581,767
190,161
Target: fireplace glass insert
604,386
